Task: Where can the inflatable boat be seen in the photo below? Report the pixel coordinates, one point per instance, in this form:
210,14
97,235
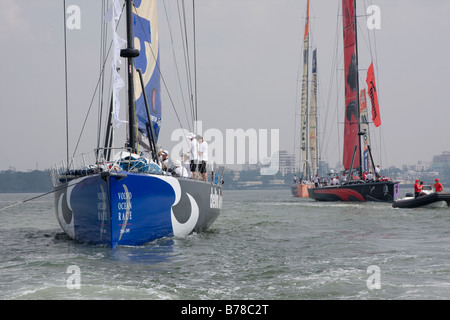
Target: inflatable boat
430,200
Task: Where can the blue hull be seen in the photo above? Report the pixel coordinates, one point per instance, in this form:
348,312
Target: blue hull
134,208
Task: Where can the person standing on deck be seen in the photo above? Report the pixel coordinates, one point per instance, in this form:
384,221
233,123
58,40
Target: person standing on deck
316,181
377,172
193,154
203,157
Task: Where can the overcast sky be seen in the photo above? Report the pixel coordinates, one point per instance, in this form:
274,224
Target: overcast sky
248,62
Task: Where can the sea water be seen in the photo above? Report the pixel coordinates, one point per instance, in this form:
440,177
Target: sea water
265,245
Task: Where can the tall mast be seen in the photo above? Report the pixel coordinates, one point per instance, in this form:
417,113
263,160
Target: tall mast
313,154
352,129
304,143
65,83
358,111
130,53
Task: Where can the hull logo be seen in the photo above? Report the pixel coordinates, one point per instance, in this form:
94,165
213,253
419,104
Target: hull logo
184,229
127,214
215,199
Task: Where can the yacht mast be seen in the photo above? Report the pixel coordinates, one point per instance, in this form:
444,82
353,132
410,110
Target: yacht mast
130,53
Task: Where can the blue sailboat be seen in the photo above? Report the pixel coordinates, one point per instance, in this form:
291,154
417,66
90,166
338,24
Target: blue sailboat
124,197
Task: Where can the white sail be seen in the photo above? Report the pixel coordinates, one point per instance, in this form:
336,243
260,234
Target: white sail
112,16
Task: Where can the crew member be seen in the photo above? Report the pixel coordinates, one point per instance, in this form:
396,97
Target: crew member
162,157
377,172
437,186
417,188
203,156
193,154
316,181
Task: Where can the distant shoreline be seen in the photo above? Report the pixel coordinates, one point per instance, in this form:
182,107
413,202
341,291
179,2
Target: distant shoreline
38,181
25,182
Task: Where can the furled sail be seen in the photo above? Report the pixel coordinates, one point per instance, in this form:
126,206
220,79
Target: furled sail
313,115
351,127
145,27
304,99
364,116
112,16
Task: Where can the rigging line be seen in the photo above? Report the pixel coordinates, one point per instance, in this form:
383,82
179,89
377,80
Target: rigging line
164,82
102,53
162,78
185,63
297,119
297,105
380,97
297,112
187,59
176,66
195,60
93,96
333,81
87,116
368,36
58,188
65,81
26,200
90,106
333,71
374,57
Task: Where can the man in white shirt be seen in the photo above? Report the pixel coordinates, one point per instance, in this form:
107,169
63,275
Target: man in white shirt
179,169
377,172
163,159
187,164
203,157
193,154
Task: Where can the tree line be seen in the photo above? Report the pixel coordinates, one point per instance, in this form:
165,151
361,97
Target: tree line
25,182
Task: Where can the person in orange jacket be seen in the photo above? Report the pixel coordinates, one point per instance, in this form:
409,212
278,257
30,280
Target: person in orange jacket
438,186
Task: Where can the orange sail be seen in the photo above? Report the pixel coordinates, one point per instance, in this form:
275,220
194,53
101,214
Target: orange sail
370,80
